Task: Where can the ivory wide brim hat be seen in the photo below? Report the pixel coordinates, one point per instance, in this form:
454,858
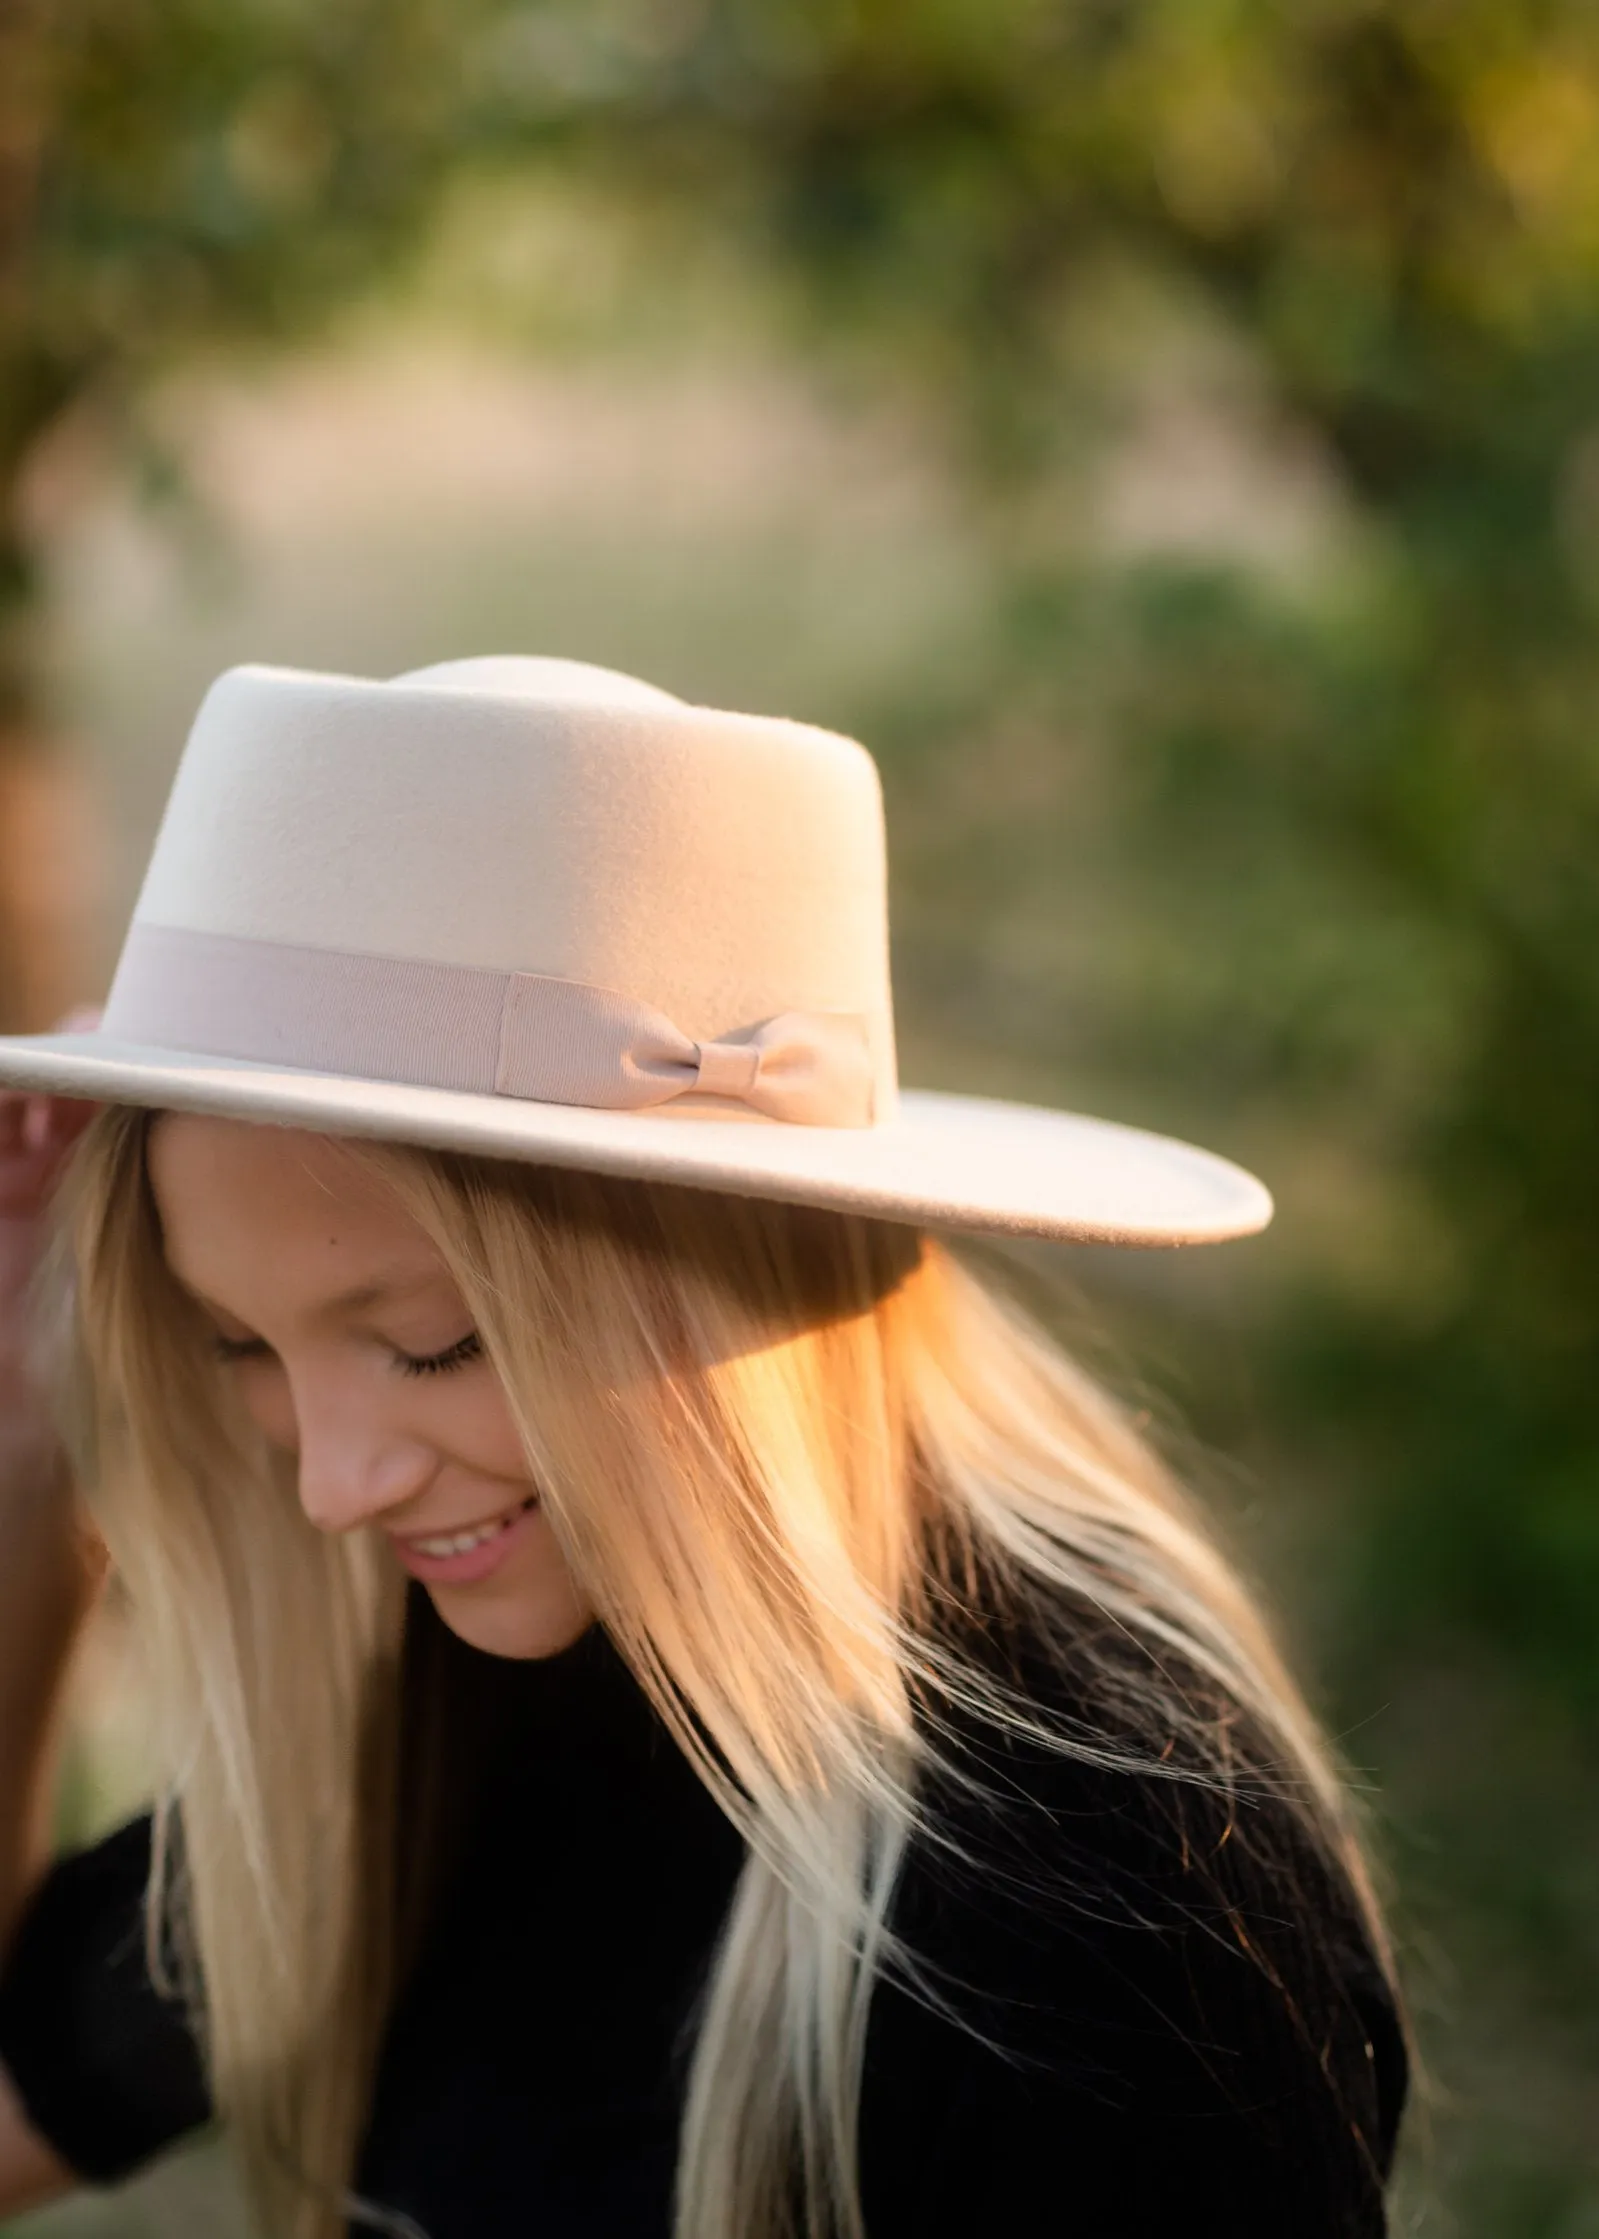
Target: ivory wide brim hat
537,910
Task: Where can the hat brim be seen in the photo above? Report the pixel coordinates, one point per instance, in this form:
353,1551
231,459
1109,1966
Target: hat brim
946,1161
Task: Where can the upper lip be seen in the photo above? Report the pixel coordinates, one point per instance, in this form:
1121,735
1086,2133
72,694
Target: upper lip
450,1531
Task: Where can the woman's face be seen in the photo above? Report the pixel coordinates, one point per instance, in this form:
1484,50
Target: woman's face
352,1348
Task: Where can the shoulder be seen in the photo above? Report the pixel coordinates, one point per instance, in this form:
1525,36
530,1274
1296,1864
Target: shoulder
1146,1961
105,2064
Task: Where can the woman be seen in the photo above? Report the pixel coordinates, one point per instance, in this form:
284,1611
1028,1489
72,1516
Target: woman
679,1710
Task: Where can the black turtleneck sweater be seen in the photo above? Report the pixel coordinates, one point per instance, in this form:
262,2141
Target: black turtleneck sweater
1180,2026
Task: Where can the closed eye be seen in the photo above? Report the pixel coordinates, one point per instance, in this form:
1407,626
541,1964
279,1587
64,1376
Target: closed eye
464,1349
437,1364
240,1348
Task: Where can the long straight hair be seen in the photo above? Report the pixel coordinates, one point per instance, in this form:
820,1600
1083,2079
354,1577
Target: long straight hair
779,1447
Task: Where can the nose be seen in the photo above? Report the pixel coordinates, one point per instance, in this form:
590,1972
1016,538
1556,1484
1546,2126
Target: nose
354,1464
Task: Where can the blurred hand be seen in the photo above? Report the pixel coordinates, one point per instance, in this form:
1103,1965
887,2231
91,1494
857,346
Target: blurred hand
36,1133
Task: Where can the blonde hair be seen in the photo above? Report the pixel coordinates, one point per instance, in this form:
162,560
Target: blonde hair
780,1448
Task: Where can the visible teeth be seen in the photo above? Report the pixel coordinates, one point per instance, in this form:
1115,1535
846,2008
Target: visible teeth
457,1543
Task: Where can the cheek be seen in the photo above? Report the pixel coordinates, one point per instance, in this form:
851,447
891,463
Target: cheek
473,1424
269,1404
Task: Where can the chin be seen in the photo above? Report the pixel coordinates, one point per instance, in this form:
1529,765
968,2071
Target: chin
524,1620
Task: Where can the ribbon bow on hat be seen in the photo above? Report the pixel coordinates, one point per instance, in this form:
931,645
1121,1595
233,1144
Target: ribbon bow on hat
564,1042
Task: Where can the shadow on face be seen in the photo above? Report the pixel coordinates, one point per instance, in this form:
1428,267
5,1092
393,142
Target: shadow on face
351,1347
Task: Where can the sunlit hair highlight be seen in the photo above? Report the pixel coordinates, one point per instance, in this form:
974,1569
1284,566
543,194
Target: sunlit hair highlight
786,1452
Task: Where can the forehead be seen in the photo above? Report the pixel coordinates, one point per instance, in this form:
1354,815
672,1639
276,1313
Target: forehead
274,1201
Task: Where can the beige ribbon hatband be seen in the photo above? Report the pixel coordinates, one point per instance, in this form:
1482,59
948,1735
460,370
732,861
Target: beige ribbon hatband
453,1026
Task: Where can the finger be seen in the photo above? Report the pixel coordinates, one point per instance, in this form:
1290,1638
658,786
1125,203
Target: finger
28,1121
53,1123
35,1134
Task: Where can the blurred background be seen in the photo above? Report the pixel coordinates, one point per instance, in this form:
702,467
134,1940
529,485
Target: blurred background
1168,434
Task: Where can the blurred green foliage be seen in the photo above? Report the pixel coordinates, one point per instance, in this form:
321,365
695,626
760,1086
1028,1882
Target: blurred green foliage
175,176
1298,857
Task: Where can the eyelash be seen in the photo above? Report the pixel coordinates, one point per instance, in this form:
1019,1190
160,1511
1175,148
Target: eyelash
465,1349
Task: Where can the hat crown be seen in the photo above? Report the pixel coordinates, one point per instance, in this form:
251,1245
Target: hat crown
525,816
540,677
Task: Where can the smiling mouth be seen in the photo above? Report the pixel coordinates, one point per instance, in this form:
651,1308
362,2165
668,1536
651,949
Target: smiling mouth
474,1535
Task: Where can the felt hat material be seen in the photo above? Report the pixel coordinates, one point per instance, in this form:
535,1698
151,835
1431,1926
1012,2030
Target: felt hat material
539,910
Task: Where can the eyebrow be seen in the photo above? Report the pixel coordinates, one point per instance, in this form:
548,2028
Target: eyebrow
369,1294
352,1301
